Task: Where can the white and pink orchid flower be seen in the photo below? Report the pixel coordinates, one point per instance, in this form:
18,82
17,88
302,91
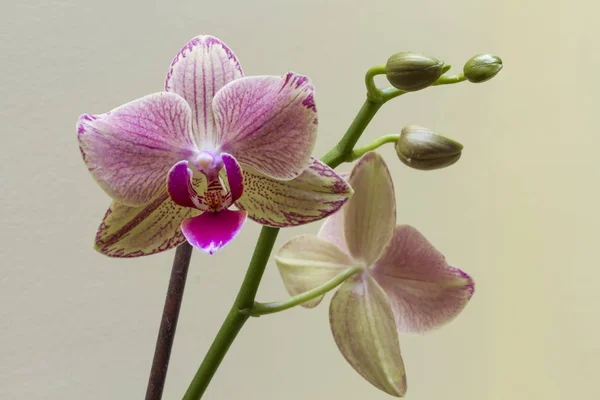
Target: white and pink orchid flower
405,284
174,162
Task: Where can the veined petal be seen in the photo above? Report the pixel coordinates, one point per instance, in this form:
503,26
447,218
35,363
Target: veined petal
363,327
140,231
333,227
202,67
425,292
315,194
268,123
370,215
211,231
130,149
181,188
333,231
306,262
235,178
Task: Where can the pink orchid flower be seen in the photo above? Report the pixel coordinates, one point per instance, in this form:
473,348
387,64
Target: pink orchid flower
405,284
174,162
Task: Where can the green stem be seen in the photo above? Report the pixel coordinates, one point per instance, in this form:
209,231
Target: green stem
343,149
238,315
390,93
373,93
375,144
448,80
277,306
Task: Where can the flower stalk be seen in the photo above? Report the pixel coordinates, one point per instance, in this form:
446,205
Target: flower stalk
373,93
168,323
448,80
238,315
374,145
277,306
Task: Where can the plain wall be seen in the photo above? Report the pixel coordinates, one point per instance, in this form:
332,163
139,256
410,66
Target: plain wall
519,211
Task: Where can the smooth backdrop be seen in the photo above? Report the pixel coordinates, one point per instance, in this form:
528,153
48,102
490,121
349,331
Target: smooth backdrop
519,212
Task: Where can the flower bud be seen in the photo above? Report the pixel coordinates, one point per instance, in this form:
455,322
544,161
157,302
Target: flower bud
420,148
482,67
413,71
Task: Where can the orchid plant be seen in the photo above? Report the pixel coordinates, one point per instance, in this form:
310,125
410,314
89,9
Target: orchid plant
187,166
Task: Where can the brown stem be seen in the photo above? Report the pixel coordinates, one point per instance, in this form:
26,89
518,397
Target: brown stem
168,324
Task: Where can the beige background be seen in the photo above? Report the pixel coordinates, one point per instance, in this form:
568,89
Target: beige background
519,211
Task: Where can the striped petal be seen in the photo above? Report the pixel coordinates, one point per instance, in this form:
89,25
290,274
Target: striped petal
306,262
425,292
333,227
202,67
362,323
211,231
268,123
130,149
141,231
370,216
333,231
317,193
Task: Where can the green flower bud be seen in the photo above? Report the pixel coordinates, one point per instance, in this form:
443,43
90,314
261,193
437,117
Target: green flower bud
482,67
420,148
413,71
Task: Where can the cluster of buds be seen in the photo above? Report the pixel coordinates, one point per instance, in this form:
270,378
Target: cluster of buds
421,148
415,71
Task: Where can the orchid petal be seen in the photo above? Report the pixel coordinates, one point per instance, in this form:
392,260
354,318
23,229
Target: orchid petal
370,216
362,323
140,231
333,231
268,123
235,177
200,69
425,292
181,188
317,193
130,149
333,227
306,262
211,231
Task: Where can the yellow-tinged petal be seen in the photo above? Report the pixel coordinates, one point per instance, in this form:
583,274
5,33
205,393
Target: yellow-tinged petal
306,262
370,215
333,231
140,231
363,327
313,195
